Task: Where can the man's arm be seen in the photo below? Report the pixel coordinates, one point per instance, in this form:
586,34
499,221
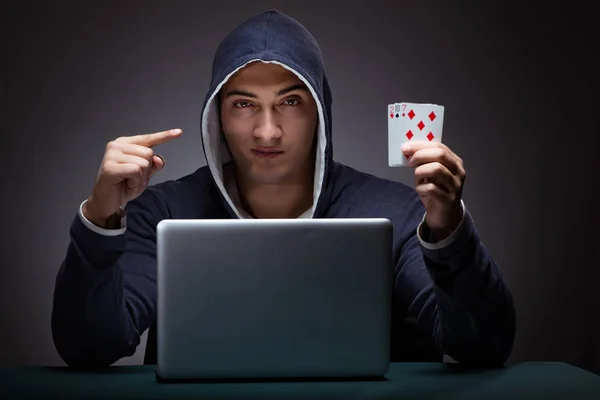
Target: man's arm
105,290
456,292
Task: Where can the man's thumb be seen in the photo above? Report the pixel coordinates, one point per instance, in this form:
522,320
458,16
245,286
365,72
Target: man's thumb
158,163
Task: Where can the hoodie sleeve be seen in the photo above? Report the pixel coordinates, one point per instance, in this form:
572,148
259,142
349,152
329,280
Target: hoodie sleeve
457,294
103,231
105,289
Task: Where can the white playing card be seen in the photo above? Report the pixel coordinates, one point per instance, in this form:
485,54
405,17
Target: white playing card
412,122
393,126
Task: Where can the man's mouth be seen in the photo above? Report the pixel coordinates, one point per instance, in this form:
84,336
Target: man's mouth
265,152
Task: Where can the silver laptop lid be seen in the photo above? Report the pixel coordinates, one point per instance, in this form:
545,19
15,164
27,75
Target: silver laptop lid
273,298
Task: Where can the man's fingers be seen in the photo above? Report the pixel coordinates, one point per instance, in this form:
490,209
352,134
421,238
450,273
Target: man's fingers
437,174
131,173
146,168
422,144
433,190
435,154
151,139
115,148
143,163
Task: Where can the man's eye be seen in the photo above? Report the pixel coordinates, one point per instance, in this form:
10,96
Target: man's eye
241,104
291,102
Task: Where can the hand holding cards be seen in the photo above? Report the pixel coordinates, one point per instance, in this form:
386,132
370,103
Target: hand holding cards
412,122
415,140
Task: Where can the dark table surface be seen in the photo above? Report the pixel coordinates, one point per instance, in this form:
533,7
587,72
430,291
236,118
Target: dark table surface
534,380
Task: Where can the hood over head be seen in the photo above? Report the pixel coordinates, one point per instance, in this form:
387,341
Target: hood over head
271,37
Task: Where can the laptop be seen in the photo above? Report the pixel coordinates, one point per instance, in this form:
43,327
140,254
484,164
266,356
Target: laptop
273,299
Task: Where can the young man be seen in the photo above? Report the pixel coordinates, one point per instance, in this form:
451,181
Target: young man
266,130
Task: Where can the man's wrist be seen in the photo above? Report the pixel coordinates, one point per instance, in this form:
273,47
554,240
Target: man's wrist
110,221
441,233
438,235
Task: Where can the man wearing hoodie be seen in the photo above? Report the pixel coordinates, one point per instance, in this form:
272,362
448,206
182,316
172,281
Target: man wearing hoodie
267,135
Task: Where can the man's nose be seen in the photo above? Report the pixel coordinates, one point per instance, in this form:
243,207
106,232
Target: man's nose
267,127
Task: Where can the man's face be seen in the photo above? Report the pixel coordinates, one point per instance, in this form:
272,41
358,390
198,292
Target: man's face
269,120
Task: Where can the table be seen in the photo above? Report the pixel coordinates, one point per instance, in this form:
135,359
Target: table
533,380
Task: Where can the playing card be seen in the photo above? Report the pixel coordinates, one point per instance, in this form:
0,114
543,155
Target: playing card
412,122
393,128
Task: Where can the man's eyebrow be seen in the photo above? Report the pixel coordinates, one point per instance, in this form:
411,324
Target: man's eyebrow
283,91
239,93
300,86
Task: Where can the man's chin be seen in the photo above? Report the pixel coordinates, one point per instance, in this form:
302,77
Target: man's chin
266,176
267,179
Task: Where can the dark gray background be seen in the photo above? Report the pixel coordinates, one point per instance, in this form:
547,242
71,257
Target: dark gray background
517,80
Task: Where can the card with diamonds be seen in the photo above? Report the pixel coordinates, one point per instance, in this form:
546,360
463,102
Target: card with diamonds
410,122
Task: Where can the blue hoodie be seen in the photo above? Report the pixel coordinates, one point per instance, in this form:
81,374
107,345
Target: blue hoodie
449,297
